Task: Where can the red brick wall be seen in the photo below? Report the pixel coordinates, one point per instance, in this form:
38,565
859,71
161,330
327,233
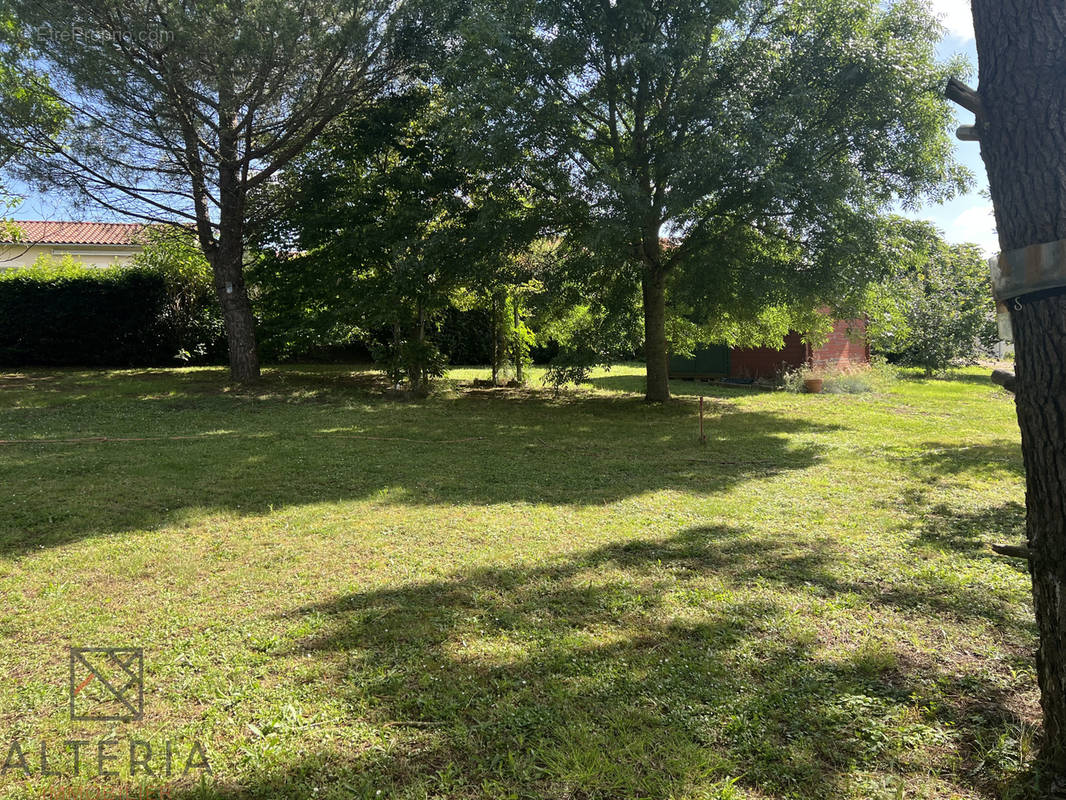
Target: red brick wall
765,362
841,349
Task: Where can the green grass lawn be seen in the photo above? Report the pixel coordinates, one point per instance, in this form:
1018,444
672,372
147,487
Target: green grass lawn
513,593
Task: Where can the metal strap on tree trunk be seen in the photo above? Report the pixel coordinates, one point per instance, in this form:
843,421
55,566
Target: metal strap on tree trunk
1035,268
1027,270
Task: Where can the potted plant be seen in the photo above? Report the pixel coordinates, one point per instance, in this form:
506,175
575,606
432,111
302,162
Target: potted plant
813,382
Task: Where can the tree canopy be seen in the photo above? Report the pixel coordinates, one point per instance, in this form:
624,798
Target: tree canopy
180,113
935,308
379,225
742,150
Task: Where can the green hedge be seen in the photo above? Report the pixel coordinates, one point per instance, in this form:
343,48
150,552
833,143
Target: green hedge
118,316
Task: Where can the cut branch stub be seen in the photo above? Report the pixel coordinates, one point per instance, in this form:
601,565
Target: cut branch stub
1012,550
1005,379
958,92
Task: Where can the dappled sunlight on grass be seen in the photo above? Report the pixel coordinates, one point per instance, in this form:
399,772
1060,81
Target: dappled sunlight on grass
524,593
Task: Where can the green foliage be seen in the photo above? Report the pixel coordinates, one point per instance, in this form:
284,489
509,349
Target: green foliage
520,339
46,267
156,312
511,338
25,98
936,309
464,335
191,314
66,316
580,313
768,327
763,139
387,224
410,359
584,332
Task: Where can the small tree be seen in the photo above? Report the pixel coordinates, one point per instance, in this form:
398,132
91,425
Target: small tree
388,222
183,112
935,310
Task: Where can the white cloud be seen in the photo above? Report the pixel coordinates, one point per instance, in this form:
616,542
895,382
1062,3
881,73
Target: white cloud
976,224
955,15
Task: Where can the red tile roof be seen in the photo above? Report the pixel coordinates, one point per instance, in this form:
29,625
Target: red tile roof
117,233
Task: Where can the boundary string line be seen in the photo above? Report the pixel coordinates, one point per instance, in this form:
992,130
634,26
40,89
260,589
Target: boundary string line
113,439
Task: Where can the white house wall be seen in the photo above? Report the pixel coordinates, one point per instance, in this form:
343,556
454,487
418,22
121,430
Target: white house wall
18,256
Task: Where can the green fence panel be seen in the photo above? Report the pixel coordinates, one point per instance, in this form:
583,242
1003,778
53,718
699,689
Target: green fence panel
710,362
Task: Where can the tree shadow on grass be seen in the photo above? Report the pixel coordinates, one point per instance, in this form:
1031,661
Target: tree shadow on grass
949,458
972,532
649,669
973,529
279,446
983,378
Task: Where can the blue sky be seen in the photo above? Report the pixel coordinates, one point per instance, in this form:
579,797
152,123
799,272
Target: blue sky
964,219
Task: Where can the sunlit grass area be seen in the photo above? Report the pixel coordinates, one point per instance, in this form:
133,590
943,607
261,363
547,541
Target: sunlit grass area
497,593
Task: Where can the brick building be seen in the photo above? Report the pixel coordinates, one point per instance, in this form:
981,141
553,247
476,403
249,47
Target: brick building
845,347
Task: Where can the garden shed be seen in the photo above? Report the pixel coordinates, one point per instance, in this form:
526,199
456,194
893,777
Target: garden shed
845,347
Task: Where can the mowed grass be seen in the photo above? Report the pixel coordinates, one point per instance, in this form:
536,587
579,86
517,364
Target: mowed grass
518,593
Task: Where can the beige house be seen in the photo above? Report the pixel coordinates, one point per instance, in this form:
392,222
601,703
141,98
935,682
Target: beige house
95,244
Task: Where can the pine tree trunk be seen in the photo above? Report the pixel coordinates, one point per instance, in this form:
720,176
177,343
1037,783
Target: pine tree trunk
226,255
1021,49
655,349
227,263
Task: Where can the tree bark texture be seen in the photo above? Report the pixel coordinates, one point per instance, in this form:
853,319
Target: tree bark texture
228,266
227,253
518,349
656,354
1021,49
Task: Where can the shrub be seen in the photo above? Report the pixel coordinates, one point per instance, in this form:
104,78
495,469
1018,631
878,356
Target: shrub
416,361
152,313
856,380
71,315
191,320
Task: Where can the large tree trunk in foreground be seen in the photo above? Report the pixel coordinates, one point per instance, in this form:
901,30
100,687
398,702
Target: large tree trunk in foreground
656,356
1021,49
1040,344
